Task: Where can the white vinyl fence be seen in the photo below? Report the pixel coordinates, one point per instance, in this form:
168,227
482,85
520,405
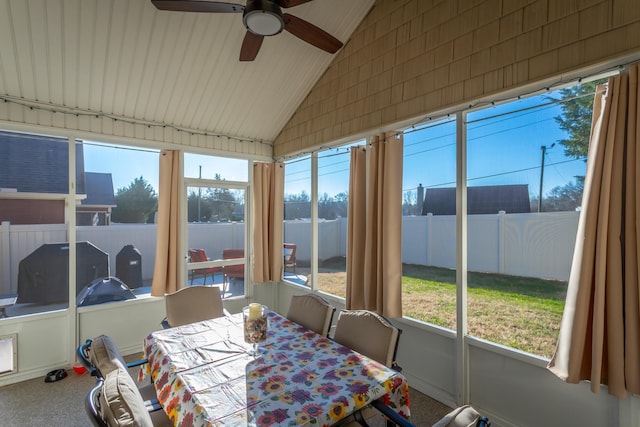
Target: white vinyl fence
534,245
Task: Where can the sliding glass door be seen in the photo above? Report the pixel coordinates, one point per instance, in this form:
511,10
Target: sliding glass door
216,208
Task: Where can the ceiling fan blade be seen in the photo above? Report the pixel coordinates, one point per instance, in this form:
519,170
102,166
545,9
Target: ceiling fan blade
250,46
311,34
291,3
198,6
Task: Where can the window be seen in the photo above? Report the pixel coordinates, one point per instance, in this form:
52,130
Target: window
216,229
213,167
525,178
114,231
297,218
526,161
117,218
34,188
429,223
333,199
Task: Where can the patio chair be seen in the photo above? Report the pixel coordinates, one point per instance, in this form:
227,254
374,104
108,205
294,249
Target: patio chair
116,401
102,356
232,271
371,335
289,254
311,311
193,304
199,255
98,355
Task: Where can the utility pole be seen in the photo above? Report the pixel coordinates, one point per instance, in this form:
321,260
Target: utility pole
544,151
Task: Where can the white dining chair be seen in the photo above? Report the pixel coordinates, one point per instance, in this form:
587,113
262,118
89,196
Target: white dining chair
371,335
311,311
193,304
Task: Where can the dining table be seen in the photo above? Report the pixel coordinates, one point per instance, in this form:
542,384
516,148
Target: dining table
205,375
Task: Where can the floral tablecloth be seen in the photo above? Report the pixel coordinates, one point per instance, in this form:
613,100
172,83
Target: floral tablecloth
204,376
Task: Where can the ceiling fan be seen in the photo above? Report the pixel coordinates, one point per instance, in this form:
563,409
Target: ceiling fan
261,18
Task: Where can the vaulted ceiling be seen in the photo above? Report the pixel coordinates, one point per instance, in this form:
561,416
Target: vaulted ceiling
126,58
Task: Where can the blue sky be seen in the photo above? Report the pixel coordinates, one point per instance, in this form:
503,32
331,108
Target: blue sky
504,146
502,149
126,164
123,163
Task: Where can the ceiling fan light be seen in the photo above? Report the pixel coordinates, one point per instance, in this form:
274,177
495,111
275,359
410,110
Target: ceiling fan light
263,18
263,23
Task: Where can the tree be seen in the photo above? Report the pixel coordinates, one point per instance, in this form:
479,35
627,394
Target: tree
564,198
192,207
223,204
135,203
326,207
410,204
215,204
341,204
575,119
297,206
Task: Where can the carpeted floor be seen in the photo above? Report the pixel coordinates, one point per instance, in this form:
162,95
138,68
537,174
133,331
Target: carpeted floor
61,403
36,403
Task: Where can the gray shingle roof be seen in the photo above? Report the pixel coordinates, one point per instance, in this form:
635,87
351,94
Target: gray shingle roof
488,199
38,164
99,190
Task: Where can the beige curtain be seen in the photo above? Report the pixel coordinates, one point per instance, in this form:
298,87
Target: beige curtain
600,331
165,273
356,229
374,275
268,216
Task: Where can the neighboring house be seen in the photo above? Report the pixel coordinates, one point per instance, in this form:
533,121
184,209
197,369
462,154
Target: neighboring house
33,182
95,209
489,199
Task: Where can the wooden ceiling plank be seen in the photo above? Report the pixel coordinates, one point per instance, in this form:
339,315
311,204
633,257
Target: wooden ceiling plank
70,44
39,50
136,37
9,70
178,69
127,58
55,53
101,49
23,46
199,56
115,65
85,45
150,87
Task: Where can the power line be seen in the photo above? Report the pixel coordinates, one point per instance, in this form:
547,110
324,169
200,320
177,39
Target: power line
500,173
502,117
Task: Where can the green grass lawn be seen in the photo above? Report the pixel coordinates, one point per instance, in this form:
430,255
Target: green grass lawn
519,312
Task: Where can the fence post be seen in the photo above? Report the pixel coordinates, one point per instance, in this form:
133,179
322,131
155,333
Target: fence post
502,215
429,237
5,259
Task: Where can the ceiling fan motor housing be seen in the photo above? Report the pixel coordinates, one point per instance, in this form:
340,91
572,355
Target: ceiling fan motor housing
263,17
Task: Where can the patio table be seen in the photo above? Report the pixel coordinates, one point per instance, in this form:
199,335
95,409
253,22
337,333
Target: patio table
205,377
